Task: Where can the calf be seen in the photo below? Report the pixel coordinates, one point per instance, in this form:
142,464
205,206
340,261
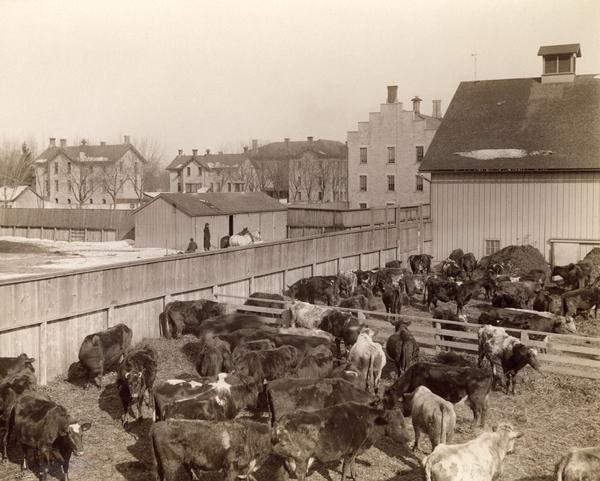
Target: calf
238,448
393,298
303,314
355,302
468,262
45,429
430,414
456,255
450,382
466,291
339,432
402,348
448,315
579,300
214,357
300,342
181,317
135,377
343,326
439,290
348,282
268,364
503,300
573,275
507,352
477,460
102,351
325,289
542,302
287,395
420,263
368,356
395,264
579,464
8,401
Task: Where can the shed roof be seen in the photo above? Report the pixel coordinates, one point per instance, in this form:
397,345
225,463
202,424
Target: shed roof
568,48
220,203
519,125
208,161
89,153
294,149
10,193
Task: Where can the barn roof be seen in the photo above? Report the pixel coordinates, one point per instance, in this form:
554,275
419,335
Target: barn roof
295,149
220,203
519,125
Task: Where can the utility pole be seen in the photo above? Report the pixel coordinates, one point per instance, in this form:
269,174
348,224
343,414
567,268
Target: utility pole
474,55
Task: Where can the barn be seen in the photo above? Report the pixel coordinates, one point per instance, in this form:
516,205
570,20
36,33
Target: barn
517,162
171,219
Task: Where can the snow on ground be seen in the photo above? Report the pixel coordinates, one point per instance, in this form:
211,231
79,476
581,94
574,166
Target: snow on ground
53,256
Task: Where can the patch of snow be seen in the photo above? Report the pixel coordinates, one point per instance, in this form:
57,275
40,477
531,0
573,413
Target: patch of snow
490,154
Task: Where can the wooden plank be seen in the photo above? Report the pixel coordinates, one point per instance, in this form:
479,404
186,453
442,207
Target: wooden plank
569,371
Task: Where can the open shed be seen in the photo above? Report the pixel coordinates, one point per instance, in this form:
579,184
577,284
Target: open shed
171,219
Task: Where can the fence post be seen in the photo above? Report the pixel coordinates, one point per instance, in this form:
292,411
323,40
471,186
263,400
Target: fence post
250,285
437,338
27,232
85,234
42,231
54,238
43,353
215,291
110,311
524,337
380,265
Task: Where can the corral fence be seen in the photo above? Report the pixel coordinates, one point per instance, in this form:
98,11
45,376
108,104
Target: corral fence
99,225
48,316
559,353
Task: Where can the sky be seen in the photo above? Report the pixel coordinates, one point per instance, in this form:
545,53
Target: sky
199,74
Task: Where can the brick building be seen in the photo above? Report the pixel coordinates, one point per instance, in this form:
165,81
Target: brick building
385,153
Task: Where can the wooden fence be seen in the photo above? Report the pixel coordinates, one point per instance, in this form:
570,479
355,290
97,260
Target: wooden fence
48,316
560,353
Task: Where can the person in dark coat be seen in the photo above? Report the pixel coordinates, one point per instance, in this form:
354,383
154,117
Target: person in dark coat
192,246
206,237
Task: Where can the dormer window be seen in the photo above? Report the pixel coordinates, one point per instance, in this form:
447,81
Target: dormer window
559,62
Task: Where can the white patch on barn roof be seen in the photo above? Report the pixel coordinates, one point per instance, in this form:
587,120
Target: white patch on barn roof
490,154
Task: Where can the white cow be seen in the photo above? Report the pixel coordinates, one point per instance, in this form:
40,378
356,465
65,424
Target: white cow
579,464
369,357
303,314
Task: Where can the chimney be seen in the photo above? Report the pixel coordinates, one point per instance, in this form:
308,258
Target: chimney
287,141
83,142
52,142
126,139
194,152
245,149
102,142
416,104
310,139
254,144
392,97
436,111
180,152
207,151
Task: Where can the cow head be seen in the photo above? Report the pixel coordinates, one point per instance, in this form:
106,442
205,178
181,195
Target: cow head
565,326
507,436
73,433
135,382
394,426
527,354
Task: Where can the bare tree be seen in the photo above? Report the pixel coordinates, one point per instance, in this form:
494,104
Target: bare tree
83,181
16,167
339,179
323,175
154,176
308,169
248,175
112,179
277,172
295,180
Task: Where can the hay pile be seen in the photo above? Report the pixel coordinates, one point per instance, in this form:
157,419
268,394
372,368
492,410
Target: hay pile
593,258
517,260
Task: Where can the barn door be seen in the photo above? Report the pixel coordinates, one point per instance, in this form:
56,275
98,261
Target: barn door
230,225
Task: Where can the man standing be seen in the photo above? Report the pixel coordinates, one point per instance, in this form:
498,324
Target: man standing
206,237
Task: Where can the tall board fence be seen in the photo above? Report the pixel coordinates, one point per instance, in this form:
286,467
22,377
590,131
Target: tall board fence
48,316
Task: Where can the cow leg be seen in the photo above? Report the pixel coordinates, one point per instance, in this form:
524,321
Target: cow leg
140,401
301,468
417,436
347,468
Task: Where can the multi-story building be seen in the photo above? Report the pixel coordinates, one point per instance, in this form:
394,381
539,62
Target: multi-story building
211,172
90,174
385,153
303,171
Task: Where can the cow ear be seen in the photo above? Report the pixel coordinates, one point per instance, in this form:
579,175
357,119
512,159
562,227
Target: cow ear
86,426
516,435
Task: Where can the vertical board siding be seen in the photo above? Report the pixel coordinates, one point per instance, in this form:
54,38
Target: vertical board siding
516,208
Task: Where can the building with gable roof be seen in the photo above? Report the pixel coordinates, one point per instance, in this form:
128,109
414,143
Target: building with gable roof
84,175
20,196
517,161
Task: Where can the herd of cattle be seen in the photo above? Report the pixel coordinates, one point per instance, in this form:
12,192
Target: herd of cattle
279,387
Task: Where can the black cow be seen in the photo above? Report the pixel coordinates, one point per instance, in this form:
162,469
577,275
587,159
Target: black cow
315,364
395,264
355,302
420,263
529,320
228,323
135,377
402,348
301,343
325,289
343,326
214,398
450,382
102,351
393,298
413,284
456,255
11,366
287,395
448,315
541,302
333,433
238,448
267,364
183,317
265,299
213,357
504,300
8,401
439,290
574,275
468,262
452,269
466,291
45,430
579,300
386,278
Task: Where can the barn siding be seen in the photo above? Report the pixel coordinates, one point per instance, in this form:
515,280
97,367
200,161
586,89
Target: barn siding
516,208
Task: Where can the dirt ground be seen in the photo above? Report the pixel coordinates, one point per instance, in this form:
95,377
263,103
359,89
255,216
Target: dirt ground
554,413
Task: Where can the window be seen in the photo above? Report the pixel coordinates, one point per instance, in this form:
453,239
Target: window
299,195
391,155
363,155
362,205
91,201
228,186
56,167
199,170
68,167
363,183
557,64
564,63
69,185
491,246
179,187
419,183
189,171
104,201
391,183
56,185
68,201
419,153
320,196
236,187
212,187
56,200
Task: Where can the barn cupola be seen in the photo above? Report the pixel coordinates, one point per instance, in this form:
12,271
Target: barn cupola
559,62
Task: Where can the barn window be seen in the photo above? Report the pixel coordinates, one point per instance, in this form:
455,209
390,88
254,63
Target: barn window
557,64
320,196
391,181
363,155
491,246
391,155
362,183
419,153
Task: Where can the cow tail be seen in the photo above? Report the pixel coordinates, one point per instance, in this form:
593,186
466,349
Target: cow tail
443,433
370,374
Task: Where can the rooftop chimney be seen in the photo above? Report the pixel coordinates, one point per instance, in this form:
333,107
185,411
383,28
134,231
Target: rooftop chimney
207,151
436,111
392,97
254,144
126,139
63,142
194,152
416,104
310,139
83,142
180,152
52,142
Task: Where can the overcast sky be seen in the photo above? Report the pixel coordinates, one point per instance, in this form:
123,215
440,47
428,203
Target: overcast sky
216,74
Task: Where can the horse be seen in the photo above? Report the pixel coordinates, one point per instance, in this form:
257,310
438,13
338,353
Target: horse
243,238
